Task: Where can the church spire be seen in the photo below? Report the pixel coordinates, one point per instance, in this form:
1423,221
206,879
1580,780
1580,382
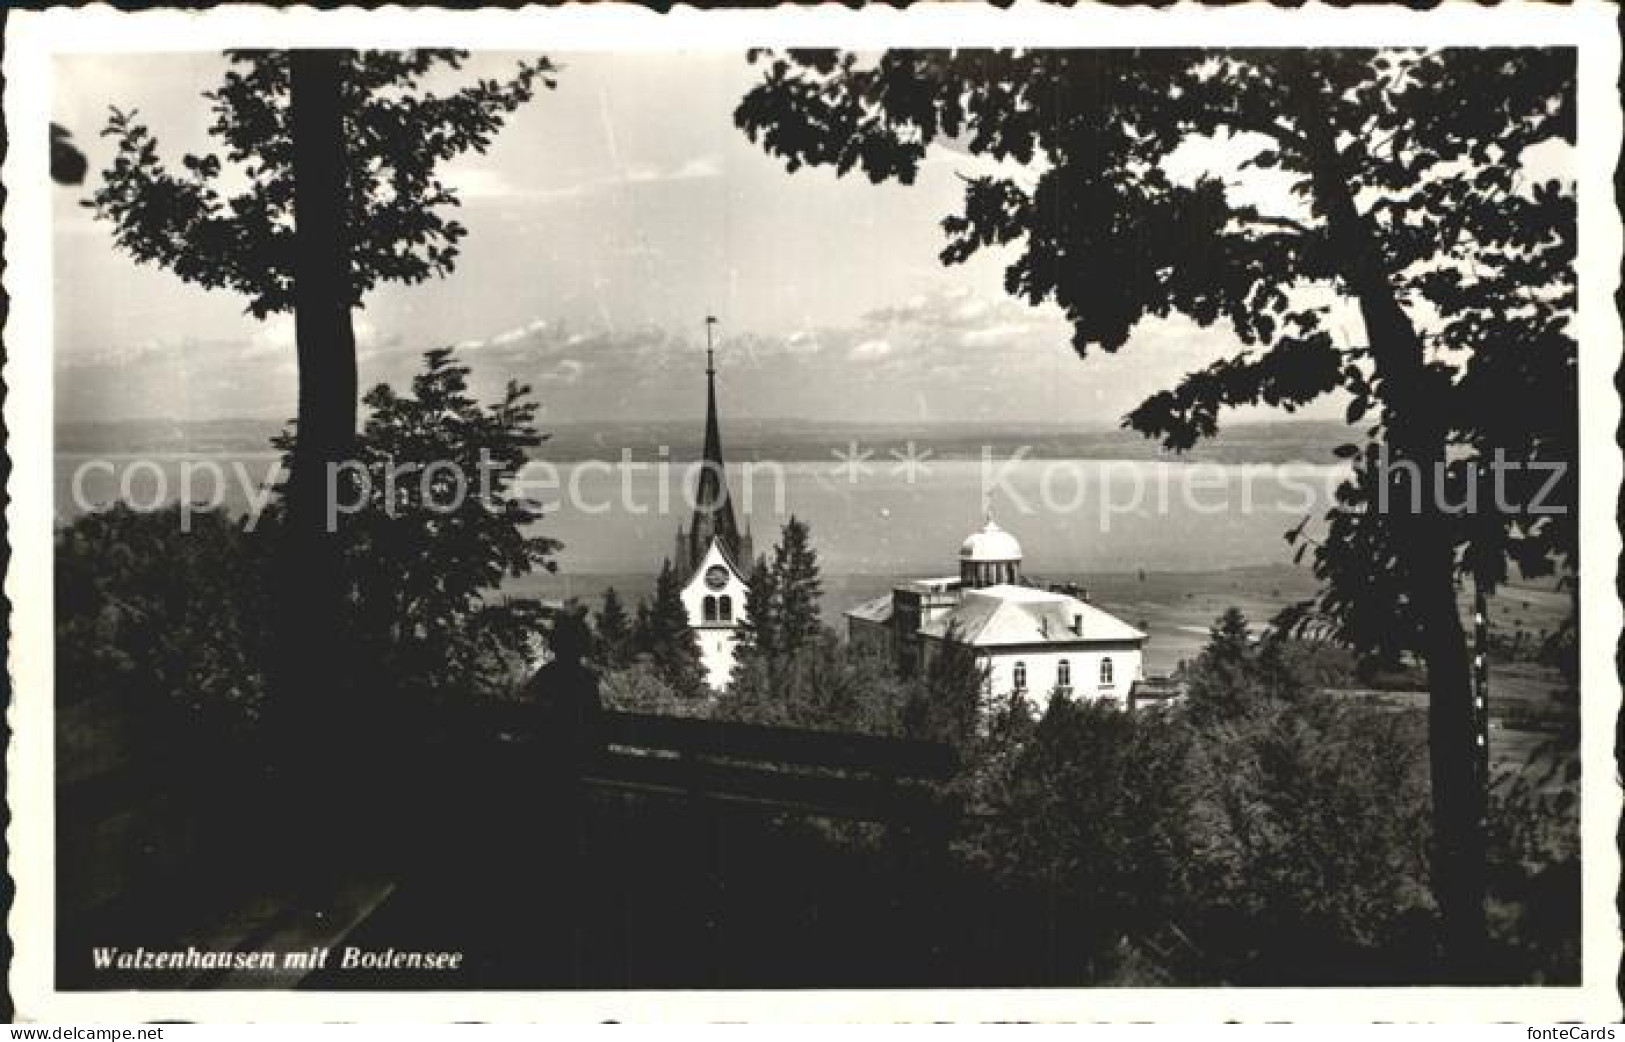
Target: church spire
713,506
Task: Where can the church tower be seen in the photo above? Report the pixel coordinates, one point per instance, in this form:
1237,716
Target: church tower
713,554
714,518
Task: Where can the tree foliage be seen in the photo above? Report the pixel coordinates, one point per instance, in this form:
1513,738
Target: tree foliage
824,685
797,581
1418,201
758,632
192,220
149,607
950,702
612,628
663,634
782,613
436,525
177,603
1468,235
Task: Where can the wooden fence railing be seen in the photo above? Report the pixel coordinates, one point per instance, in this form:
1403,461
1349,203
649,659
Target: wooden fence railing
836,774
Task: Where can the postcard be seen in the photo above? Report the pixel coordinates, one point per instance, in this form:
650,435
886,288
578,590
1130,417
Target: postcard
944,513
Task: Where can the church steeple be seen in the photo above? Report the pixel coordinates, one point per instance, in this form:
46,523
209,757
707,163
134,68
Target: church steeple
713,506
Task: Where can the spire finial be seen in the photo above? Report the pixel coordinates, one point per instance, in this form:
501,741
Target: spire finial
710,356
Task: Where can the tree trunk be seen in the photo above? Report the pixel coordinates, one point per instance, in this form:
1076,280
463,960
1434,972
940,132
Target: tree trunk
310,665
1412,392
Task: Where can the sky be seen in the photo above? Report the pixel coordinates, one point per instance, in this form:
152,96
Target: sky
610,216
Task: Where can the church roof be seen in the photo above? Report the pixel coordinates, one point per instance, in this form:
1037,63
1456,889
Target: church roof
992,543
713,505
1007,614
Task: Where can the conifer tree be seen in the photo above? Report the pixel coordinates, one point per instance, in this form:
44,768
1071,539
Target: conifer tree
671,642
759,631
796,574
643,629
1225,673
614,630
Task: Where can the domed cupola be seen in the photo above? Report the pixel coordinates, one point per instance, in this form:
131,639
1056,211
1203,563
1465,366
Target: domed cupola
990,557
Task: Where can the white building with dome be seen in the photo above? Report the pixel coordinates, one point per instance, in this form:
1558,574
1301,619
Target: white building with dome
1033,641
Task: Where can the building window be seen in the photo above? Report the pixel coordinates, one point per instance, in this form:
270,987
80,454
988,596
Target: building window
1105,672
1063,675
1020,674
710,609
725,608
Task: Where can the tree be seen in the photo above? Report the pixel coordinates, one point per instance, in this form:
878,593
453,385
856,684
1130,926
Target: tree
1418,205
825,685
150,608
949,703
1223,674
1311,817
759,631
1085,820
434,528
795,575
337,153
782,604
669,640
614,631
68,164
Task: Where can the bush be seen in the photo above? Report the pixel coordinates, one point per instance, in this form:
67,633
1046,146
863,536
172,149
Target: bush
1534,865
639,688
147,610
824,685
1263,834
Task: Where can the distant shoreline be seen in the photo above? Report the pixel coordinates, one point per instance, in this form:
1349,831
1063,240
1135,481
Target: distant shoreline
786,441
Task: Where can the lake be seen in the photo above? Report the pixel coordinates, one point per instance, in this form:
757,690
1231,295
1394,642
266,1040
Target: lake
1165,546
869,518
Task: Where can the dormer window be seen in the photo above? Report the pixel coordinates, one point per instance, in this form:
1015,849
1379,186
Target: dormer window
710,609
725,608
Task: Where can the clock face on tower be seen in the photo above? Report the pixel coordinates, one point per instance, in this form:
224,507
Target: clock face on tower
716,577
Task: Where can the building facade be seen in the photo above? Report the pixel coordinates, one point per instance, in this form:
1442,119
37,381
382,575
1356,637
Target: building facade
712,556
1031,641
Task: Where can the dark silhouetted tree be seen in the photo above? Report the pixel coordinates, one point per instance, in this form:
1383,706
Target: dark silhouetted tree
336,153
668,639
68,164
1418,203
614,631
948,704
435,526
759,631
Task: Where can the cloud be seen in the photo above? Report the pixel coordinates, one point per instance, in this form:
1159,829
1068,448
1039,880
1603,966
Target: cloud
870,350
697,168
994,334
275,337
483,184
478,182
803,342
565,371
513,335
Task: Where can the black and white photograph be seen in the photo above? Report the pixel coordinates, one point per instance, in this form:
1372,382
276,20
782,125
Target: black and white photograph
1045,509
